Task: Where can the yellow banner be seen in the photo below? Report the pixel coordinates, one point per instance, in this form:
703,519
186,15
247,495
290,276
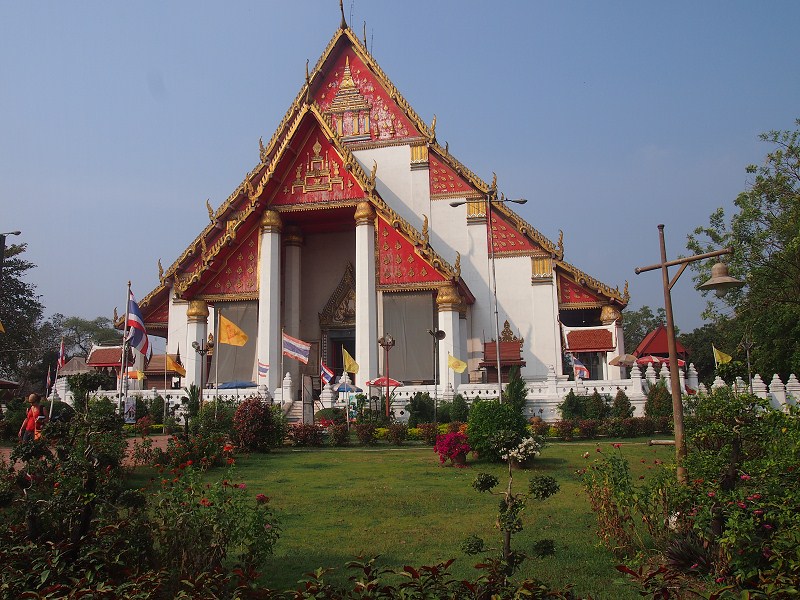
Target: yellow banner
173,366
230,334
459,366
350,365
720,357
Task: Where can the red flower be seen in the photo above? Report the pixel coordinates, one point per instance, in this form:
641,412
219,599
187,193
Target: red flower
262,499
205,502
617,445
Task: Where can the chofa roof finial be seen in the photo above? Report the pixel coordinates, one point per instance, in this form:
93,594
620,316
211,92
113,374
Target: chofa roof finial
343,24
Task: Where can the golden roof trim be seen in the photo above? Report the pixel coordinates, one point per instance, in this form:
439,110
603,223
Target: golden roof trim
595,285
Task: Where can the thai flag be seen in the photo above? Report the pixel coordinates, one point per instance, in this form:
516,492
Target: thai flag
263,369
296,349
62,356
579,369
137,334
325,373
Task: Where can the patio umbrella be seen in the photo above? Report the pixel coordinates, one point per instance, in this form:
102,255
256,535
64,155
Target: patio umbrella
347,388
623,360
382,382
657,360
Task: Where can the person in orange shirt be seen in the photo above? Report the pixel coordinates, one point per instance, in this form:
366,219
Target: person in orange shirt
32,423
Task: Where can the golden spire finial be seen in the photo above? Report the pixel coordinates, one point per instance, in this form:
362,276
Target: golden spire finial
116,316
160,270
262,151
343,24
308,85
425,235
447,147
626,295
210,210
493,187
365,34
457,265
203,247
561,241
433,128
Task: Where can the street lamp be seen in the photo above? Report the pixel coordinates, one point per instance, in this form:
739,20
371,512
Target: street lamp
3,248
720,282
203,350
491,198
387,343
438,335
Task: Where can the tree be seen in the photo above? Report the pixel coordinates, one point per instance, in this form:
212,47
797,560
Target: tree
638,323
80,334
765,236
20,312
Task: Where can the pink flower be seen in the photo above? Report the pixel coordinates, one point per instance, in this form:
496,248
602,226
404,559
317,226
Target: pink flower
711,494
205,502
262,499
741,505
242,486
745,477
617,445
767,526
758,512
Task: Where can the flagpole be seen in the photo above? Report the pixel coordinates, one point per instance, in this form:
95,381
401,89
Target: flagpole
217,314
124,358
280,375
166,353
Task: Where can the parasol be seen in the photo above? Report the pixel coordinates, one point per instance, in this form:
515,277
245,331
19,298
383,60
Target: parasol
382,382
657,360
623,360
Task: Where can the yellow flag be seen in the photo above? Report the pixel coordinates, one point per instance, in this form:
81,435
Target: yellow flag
175,367
230,334
459,366
350,365
2,329
720,358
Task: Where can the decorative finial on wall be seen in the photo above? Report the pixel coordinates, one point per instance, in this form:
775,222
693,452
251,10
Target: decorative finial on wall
493,187
433,128
116,316
457,266
561,241
425,234
160,270
210,210
365,34
262,151
373,175
343,24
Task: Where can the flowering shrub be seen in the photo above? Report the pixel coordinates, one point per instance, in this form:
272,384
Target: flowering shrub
428,432
196,526
202,450
397,433
450,446
365,432
338,434
528,449
306,434
587,428
486,418
564,429
539,426
258,425
143,425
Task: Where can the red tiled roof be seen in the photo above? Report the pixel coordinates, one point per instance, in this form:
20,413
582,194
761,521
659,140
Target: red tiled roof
107,356
590,340
655,343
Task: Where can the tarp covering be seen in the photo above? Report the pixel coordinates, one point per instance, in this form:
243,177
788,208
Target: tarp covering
236,363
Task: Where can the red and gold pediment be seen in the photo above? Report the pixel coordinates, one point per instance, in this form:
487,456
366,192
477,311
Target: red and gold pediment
360,108
317,175
573,294
398,261
508,240
236,272
445,182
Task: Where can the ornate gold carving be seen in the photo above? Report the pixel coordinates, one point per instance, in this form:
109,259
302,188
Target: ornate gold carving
339,311
318,173
508,336
541,268
271,221
364,213
457,265
292,236
197,310
203,249
349,109
160,270
609,314
425,235
560,242
448,298
626,295
419,154
262,151
210,210
116,316
372,175
433,129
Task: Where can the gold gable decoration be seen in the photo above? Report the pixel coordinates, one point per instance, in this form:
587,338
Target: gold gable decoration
340,310
318,174
508,336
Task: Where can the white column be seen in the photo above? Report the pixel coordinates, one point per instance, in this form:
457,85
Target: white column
196,331
292,241
366,297
448,302
269,299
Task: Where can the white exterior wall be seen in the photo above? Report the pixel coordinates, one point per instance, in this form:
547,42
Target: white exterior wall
176,328
545,344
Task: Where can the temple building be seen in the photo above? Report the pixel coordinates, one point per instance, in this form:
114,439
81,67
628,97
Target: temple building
344,231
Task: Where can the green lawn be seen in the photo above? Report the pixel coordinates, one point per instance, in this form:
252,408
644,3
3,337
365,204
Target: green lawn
335,504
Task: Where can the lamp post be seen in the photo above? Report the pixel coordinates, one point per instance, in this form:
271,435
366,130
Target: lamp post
720,282
438,335
3,248
202,351
387,343
491,198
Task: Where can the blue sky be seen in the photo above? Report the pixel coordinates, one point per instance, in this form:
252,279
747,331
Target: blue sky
118,120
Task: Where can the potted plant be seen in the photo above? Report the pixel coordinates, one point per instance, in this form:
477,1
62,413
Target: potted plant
452,446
